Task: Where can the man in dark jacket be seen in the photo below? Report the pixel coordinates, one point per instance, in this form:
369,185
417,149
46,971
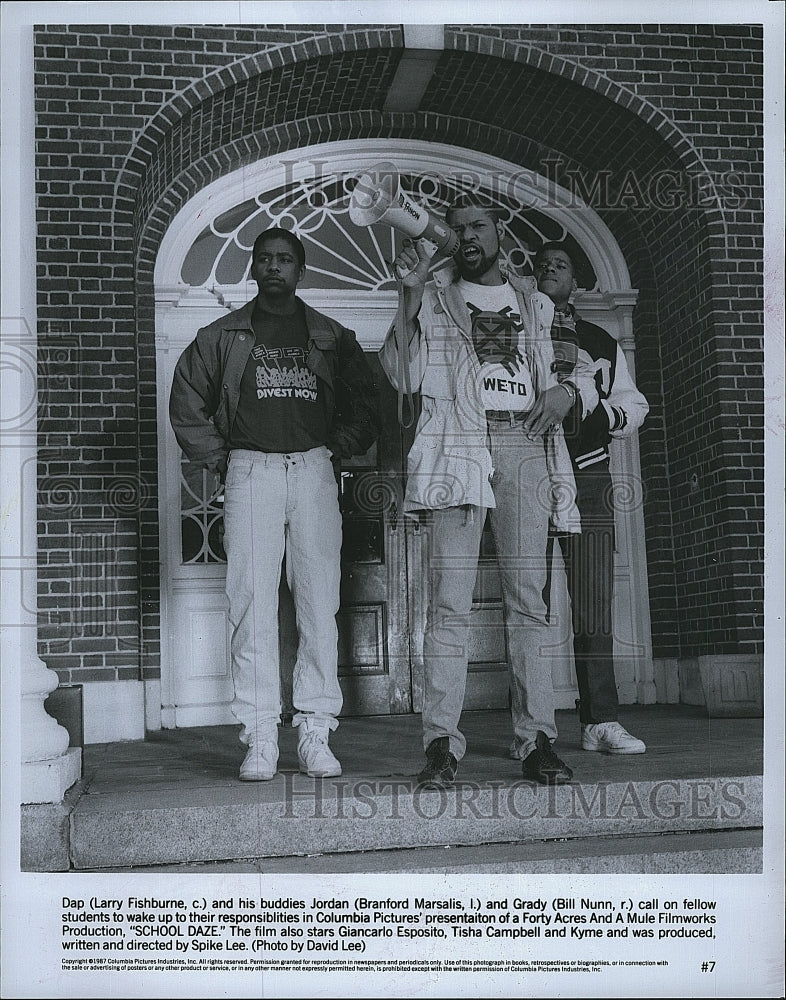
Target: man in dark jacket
589,556
266,397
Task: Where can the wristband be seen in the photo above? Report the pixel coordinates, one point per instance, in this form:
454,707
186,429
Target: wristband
570,388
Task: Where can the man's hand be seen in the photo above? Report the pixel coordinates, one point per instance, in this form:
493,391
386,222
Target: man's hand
550,409
412,269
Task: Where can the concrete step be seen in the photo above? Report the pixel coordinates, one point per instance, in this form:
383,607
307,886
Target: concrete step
296,815
719,852
175,799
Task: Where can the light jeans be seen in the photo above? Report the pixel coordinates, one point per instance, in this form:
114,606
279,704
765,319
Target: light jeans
519,524
277,503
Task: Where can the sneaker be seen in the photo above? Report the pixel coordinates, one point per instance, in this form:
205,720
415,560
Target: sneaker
261,761
441,765
315,757
543,765
610,737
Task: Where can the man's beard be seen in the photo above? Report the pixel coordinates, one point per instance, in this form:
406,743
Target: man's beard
476,266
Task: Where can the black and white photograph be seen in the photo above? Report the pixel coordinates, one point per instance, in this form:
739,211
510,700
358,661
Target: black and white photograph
392,515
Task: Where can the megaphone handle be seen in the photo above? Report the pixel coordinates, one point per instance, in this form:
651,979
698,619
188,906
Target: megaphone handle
402,348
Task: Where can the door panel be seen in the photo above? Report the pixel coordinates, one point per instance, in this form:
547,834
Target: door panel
374,668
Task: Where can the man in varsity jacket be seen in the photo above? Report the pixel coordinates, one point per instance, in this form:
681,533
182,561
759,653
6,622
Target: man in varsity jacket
589,556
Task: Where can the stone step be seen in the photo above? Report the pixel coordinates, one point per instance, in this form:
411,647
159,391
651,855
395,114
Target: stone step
718,852
175,799
294,815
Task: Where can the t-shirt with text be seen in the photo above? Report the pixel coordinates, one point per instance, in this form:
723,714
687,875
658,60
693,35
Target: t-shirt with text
281,406
505,378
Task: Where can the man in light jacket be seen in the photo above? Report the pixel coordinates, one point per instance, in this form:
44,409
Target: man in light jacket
476,343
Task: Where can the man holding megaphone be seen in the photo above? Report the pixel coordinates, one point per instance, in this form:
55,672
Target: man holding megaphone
476,342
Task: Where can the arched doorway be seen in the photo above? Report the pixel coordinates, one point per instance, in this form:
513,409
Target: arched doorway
201,272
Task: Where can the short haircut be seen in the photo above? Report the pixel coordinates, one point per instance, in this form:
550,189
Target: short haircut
556,245
275,232
470,199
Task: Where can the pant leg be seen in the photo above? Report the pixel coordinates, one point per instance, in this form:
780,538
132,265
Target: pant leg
254,514
313,547
454,542
589,564
520,525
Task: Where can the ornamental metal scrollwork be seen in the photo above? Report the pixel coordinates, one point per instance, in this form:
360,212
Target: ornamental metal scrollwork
343,256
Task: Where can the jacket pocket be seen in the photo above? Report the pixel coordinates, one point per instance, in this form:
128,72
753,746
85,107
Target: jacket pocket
322,357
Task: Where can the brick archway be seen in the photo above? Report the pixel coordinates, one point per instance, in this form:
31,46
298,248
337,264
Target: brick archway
606,110
197,151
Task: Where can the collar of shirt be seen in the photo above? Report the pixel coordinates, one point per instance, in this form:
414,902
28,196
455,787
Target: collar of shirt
564,322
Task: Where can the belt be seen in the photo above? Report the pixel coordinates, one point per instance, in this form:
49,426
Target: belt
507,416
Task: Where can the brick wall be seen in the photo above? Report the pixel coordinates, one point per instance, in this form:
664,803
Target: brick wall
700,316
132,121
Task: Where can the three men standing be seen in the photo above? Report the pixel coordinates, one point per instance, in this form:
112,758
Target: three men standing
269,394
266,396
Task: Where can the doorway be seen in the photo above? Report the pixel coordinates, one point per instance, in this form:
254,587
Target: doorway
201,273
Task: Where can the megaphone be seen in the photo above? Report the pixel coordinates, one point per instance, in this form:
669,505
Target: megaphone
378,198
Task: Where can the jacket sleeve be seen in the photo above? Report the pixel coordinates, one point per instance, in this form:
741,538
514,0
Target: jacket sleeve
583,379
417,349
356,423
625,406
192,402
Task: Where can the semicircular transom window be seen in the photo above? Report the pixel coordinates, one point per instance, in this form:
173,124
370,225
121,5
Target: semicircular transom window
341,255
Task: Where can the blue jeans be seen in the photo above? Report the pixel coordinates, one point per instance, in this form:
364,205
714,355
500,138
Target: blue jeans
274,504
519,524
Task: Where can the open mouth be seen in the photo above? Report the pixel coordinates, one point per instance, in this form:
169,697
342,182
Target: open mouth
470,252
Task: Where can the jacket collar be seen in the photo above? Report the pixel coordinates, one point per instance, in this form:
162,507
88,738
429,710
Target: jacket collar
446,281
240,319
448,274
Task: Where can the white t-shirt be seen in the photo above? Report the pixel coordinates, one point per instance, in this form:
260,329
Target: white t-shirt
505,378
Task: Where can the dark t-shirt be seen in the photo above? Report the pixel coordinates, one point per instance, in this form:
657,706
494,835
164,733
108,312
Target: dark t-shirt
281,406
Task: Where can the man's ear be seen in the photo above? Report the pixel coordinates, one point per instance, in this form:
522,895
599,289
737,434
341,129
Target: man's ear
500,230
302,273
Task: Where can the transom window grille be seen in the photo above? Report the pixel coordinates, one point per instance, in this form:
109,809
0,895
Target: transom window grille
341,255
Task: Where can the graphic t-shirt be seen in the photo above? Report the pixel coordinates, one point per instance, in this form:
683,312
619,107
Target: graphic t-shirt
281,406
505,378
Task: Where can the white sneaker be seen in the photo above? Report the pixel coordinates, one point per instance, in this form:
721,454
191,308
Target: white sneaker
261,761
315,757
610,737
